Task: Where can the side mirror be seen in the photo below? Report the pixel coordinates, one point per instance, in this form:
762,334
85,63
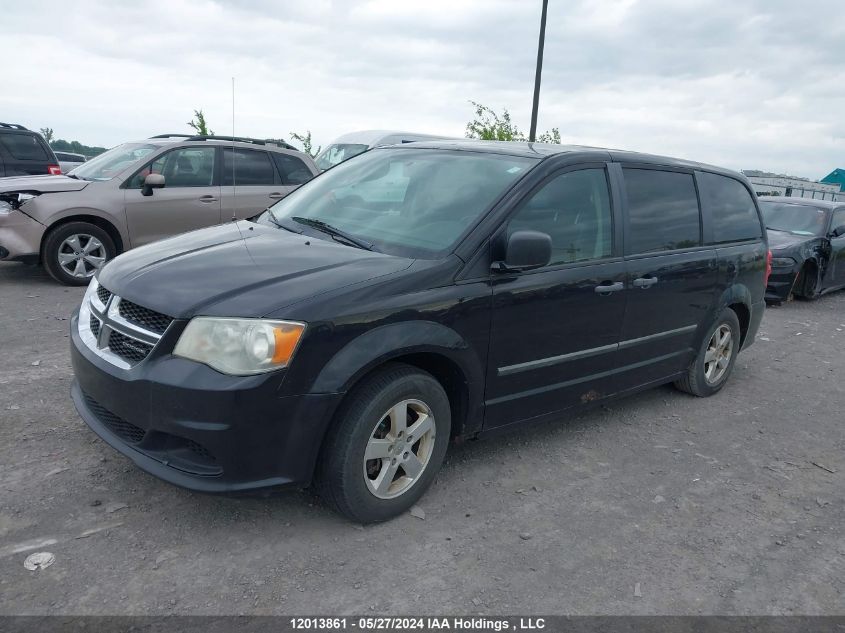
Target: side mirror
839,231
526,250
152,181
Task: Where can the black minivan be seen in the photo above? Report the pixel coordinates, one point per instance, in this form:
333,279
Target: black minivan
411,295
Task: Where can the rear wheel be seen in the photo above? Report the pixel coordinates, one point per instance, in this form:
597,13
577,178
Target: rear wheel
714,363
387,445
73,252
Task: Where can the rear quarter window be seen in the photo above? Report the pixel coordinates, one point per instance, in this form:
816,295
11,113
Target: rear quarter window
24,146
732,211
292,170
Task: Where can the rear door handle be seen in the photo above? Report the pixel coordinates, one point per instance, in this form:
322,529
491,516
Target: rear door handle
208,198
644,282
276,195
606,289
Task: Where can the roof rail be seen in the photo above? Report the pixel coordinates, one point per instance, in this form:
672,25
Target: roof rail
240,139
172,136
280,143
12,126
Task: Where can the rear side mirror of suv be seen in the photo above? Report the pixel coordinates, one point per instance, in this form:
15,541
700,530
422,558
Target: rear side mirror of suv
526,250
152,181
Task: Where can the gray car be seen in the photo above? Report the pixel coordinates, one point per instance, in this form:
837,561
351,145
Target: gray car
69,160
140,192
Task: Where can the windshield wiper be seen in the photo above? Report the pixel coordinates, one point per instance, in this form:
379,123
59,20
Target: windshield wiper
333,231
286,227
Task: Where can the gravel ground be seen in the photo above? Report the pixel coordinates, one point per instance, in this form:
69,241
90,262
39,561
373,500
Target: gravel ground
658,504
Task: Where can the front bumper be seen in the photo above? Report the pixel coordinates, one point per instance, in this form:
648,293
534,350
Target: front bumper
20,237
781,282
194,427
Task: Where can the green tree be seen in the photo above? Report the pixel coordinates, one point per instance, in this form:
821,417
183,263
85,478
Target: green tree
47,133
489,126
199,124
76,147
305,141
551,136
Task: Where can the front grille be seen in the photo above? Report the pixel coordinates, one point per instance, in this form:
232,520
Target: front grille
144,317
95,326
129,349
120,427
121,332
103,295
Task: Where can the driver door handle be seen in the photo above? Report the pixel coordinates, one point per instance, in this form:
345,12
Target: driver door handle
644,282
208,198
606,289
276,195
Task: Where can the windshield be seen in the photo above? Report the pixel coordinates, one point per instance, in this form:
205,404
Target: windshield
109,164
338,153
800,219
407,202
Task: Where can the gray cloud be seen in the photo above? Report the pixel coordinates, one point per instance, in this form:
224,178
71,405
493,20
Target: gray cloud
752,84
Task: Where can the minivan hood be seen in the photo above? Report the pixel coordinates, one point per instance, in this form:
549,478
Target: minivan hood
42,184
239,269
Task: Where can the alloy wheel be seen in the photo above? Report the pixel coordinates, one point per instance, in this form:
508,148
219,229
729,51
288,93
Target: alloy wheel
81,255
399,449
717,357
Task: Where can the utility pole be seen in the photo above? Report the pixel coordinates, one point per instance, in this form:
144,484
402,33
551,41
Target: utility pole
532,134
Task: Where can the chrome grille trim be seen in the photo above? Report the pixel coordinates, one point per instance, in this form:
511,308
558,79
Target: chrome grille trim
110,320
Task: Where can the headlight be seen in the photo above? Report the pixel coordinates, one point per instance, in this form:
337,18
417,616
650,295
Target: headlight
11,201
782,262
240,347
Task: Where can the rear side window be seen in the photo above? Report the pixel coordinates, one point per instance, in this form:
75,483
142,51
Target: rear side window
292,170
251,167
662,211
731,208
24,146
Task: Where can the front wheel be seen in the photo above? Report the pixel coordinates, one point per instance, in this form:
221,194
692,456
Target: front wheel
386,446
714,363
73,252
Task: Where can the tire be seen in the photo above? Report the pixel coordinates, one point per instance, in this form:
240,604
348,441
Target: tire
59,244
380,488
806,285
698,381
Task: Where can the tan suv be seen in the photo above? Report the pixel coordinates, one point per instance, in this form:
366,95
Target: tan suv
140,192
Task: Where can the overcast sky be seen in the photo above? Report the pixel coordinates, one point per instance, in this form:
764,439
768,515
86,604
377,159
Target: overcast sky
748,84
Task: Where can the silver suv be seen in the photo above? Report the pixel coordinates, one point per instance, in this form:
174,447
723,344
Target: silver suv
140,192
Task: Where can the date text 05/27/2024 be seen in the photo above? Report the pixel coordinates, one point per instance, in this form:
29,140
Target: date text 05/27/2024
416,624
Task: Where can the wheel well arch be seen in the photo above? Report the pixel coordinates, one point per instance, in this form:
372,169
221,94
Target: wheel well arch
450,376
744,315
810,268
811,263
444,370
96,220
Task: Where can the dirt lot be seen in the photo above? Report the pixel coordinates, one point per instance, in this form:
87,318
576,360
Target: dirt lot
660,504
